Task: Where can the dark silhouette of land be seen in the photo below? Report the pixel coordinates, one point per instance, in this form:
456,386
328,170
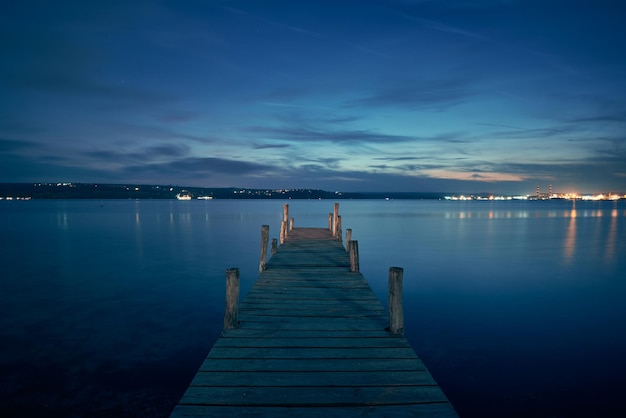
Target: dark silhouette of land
143,191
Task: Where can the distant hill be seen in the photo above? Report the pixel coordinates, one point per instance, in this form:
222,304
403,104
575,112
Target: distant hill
142,191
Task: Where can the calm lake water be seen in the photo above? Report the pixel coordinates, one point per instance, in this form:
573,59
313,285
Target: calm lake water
108,307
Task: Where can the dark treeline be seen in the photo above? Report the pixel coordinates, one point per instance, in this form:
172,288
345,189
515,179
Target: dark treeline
142,191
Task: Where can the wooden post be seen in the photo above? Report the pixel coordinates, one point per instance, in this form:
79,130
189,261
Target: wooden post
283,231
286,219
348,238
291,224
274,246
396,312
232,298
353,248
335,214
330,221
339,232
265,236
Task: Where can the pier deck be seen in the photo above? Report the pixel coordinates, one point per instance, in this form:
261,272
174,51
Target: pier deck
311,342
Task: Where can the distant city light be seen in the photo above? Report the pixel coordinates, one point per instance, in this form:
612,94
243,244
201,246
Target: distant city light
558,196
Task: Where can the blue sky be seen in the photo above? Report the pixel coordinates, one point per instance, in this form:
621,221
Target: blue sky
453,96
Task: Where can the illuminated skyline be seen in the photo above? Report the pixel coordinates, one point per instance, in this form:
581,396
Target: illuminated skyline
458,96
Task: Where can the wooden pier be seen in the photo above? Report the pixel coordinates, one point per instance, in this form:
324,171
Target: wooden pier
311,340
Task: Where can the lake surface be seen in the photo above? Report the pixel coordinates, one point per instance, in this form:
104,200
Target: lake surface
108,307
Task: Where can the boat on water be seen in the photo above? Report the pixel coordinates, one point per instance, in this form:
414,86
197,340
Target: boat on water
183,195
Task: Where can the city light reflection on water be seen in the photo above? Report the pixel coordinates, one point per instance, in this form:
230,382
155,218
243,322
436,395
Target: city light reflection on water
605,236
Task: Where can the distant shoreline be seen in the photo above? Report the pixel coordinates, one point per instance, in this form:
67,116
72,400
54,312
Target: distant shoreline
143,191
103,191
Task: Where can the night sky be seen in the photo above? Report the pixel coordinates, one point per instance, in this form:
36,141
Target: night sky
406,95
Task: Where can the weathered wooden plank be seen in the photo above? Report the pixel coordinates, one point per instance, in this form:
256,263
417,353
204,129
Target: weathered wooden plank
295,323
363,299
356,378
320,276
310,263
312,352
309,293
330,275
359,305
304,304
323,333
317,313
261,303
326,291
313,323
312,364
320,285
344,294
428,410
320,397
311,342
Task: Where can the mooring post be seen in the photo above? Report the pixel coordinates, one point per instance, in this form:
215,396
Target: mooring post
274,246
232,298
330,221
353,247
286,218
335,215
291,224
265,236
339,232
396,312
283,231
348,238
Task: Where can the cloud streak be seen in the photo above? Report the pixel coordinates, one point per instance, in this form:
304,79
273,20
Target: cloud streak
304,134
437,94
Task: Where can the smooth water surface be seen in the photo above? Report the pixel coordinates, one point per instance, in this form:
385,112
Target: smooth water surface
108,307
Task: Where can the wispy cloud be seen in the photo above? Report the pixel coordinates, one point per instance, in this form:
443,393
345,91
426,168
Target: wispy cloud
270,146
435,94
294,105
145,155
291,28
177,116
518,132
304,134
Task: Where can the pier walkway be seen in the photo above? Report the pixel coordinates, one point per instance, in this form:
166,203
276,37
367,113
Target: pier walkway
311,342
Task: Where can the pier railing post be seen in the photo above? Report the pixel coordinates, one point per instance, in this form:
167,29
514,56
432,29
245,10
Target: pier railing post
274,246
283,231
339,231
265,236
330,221
286,218
348,238
335,215
232,298
291,224
396,312
353,248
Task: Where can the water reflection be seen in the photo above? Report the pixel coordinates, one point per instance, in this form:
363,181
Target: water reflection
570,238
491,214
609,252
62,220
138,235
